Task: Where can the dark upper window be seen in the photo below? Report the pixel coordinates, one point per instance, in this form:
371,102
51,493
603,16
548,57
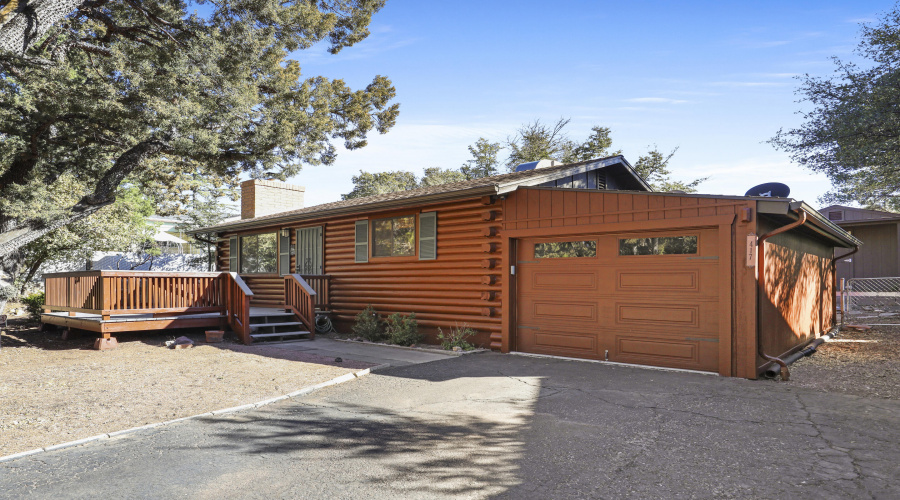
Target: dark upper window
565,249
259,253
664,245
394,237
836,215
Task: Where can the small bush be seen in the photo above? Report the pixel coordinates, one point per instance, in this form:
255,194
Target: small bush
456,337
402,330
367,325
8,293
34,304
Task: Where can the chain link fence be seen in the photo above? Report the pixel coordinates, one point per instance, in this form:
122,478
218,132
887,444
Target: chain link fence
872,301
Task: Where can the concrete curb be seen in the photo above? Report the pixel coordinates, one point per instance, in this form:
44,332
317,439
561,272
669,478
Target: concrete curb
251,406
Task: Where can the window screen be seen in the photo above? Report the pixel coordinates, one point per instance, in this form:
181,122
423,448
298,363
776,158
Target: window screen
259,253
394,237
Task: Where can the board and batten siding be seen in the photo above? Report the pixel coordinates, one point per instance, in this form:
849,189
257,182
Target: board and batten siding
532,212
798,303
461,286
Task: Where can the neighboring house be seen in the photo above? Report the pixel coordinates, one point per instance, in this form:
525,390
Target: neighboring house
879,256
170,237
578,260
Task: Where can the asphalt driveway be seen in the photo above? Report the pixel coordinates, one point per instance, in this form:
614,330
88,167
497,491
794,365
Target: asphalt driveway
495,426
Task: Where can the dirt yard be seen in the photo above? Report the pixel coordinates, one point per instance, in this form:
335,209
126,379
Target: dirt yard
859,363
53,391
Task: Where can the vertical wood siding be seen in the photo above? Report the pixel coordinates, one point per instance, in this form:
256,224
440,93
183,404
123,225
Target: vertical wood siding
537,208
798,304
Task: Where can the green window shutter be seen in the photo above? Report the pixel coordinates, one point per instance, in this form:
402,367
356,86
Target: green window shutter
428,236
234,252
284,253
362,241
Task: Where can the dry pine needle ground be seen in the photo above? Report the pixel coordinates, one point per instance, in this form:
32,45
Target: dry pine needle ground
54,391
859,363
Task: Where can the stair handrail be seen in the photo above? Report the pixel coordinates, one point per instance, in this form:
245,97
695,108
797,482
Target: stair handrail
237,306
299,299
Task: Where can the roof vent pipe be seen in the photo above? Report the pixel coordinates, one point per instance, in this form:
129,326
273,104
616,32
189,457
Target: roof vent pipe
537,164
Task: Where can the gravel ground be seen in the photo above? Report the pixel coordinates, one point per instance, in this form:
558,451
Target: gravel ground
53,391
858,363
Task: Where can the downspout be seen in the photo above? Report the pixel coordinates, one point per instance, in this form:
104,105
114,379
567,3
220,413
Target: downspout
761,283
834,282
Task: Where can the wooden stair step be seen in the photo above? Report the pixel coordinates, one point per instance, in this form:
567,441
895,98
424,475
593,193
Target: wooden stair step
282,334
292,323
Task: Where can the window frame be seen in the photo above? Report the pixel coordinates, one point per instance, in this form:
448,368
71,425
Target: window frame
595,241
663,255
394,215
241,256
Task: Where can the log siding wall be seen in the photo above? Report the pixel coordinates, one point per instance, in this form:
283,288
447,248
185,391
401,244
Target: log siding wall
462,286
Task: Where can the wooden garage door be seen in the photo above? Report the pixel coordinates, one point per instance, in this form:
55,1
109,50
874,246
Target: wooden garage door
647,298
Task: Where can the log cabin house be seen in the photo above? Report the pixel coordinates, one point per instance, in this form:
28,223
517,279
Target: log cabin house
580,260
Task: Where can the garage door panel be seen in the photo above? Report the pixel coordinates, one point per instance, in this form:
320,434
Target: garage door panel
695,317
558,342
658,308
554,311
555,280
675,279
675,353
687,280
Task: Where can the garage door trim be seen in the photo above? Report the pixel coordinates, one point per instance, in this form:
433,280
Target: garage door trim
723,222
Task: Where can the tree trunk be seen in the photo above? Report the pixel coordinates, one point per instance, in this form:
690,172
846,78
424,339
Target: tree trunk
23,22
15,234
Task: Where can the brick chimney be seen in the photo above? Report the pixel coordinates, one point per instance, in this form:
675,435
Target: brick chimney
260,198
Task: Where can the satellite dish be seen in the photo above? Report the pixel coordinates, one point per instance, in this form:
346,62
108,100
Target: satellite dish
770,189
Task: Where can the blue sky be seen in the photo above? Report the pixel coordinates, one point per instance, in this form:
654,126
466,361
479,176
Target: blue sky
714,79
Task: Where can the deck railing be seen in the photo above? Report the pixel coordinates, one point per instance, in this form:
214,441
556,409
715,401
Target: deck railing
299,298
237,305
321,283
133,292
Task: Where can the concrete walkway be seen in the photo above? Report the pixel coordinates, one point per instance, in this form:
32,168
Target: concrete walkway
495,426
369,353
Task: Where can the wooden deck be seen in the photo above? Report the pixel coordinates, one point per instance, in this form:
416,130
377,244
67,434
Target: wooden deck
145,321
120,301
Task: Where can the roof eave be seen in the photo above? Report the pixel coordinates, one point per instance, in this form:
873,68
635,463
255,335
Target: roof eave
365,207
827,228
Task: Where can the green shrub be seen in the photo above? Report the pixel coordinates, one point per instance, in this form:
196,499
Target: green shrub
8,293
34,304
367,325
402,330
456,337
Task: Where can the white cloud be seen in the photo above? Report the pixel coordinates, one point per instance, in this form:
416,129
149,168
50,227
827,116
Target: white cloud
860,20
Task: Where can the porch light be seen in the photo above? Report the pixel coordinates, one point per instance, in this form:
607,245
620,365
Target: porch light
285,233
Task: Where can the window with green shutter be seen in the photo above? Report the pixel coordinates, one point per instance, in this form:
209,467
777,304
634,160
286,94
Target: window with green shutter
428,236
362,241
